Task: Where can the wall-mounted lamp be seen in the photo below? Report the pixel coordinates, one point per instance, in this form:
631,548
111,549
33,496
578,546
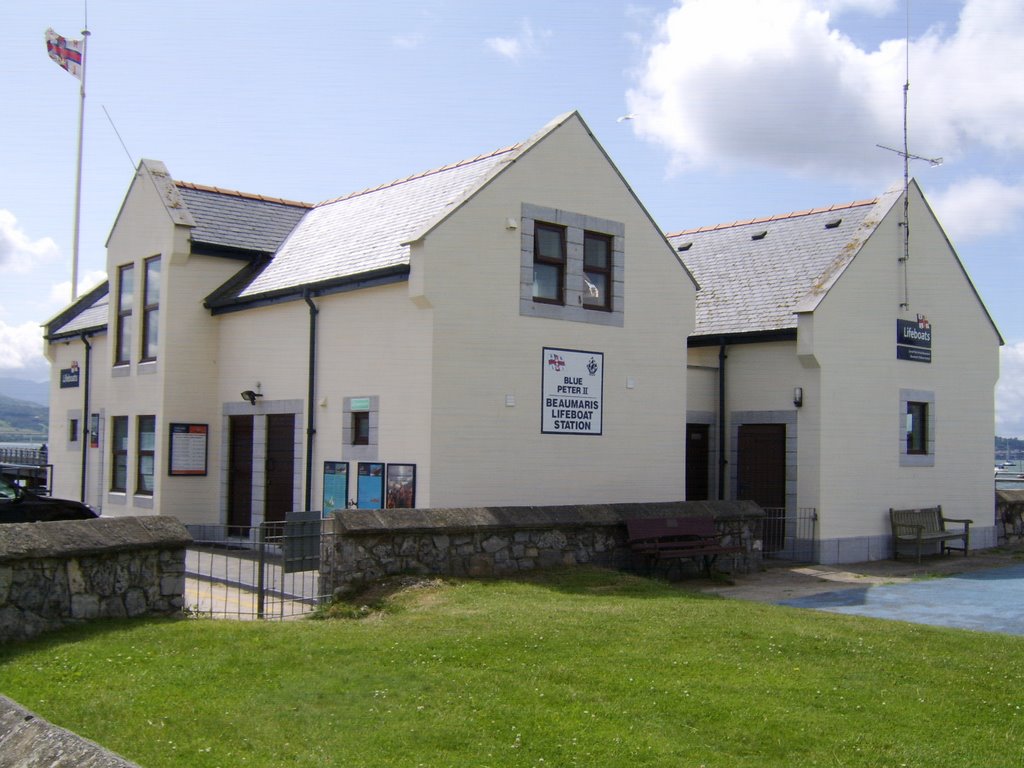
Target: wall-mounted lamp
250,397
798,396
511,223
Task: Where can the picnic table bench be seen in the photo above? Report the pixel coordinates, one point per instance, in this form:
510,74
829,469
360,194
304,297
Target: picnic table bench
917,527
661,539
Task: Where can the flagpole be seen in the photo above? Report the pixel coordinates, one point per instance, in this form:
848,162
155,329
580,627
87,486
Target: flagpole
78,177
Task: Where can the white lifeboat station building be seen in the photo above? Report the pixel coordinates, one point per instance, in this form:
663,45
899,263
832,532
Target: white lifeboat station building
516,330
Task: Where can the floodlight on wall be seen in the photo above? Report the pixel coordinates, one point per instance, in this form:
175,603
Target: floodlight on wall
798,396
250,397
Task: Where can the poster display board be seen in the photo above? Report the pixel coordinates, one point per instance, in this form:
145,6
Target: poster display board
335,495
188,446
572,396
370,485
401,487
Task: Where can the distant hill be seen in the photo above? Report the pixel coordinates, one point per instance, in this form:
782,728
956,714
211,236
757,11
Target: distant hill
20,419
22,389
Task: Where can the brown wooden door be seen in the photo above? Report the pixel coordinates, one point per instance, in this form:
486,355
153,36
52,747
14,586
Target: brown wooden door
761,474
761,477
239,474
697,458
280,477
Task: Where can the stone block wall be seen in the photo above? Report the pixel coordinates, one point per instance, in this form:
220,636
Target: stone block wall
361,546
59,573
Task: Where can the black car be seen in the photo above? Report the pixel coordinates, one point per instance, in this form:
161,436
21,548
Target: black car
18,505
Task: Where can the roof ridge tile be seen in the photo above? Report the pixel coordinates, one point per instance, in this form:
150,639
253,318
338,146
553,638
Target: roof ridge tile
776,217
245,195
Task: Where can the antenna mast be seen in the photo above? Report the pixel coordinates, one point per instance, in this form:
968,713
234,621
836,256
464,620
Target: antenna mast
907,157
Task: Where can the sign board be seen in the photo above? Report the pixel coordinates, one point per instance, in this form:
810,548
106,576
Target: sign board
572,396
188,449
70,377
360,404
335,487
914,340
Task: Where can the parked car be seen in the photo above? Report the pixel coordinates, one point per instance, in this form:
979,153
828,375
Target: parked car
18,505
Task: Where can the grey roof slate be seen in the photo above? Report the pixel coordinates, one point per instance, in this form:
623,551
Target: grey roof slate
233,220
369,230
87,314
753,283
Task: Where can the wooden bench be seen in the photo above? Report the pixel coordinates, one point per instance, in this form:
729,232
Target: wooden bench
917,527
661,539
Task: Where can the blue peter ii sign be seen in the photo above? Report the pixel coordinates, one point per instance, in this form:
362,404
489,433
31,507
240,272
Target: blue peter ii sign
914,340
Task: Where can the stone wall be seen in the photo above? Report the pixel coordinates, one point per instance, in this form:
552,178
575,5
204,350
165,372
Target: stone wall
59,573
28,740
365,545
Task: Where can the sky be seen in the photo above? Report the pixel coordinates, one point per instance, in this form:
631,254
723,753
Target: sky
713,110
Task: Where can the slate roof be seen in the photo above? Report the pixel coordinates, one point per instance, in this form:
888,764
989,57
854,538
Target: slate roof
236,221
368,231
87,314
755,274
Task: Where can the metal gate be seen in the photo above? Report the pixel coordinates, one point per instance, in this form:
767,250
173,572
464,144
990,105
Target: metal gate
270,571
790,534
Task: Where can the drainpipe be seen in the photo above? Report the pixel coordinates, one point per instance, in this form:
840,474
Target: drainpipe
85,416
311,405
721,420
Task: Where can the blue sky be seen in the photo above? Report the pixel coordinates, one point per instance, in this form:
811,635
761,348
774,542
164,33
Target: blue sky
742,108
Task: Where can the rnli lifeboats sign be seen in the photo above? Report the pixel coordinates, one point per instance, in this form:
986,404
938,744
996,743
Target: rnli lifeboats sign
573,392
914,340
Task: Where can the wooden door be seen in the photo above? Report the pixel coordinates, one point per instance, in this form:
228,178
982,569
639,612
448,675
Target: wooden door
761,474
697,461
239,474
280,475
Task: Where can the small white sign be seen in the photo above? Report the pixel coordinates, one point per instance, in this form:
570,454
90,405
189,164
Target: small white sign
572,392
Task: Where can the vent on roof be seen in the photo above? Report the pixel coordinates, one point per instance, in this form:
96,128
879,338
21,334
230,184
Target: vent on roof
833,224
759,235
684,246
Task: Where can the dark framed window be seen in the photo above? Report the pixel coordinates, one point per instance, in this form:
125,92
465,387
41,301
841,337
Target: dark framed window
360,428
597,271
548,263
73,430
151,309
125,296
145,455
917,428
119,454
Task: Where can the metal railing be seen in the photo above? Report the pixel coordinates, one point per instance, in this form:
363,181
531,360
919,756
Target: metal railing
269,571
790,534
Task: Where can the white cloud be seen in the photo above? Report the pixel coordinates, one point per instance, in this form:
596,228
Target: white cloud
743,82
515,47
1010,392
21,350
60,294
20,254
408,42
979,207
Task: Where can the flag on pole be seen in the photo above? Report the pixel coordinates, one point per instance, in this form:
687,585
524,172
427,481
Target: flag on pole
69,54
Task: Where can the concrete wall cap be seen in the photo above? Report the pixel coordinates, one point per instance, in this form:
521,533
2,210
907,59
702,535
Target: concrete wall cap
75,538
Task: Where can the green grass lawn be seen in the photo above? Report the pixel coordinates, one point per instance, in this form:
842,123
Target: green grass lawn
587,668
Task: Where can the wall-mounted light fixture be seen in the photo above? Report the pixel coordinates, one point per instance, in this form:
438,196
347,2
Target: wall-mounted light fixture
250,397
798,396
511,223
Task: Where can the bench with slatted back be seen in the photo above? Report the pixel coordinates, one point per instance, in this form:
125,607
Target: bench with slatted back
660,539
917,527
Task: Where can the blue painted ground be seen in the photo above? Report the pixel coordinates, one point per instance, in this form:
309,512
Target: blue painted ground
989,600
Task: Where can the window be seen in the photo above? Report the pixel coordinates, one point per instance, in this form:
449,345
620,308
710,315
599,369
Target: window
119,454
151,309
360,428
597,271
549,264
917,428
125,295
144,458
73,431
572,267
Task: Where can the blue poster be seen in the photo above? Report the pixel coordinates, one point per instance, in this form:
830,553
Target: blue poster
370,485
335,487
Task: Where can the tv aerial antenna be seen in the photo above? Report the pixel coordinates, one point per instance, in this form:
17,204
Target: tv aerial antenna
907,156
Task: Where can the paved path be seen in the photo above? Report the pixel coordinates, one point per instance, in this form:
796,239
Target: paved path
984,591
